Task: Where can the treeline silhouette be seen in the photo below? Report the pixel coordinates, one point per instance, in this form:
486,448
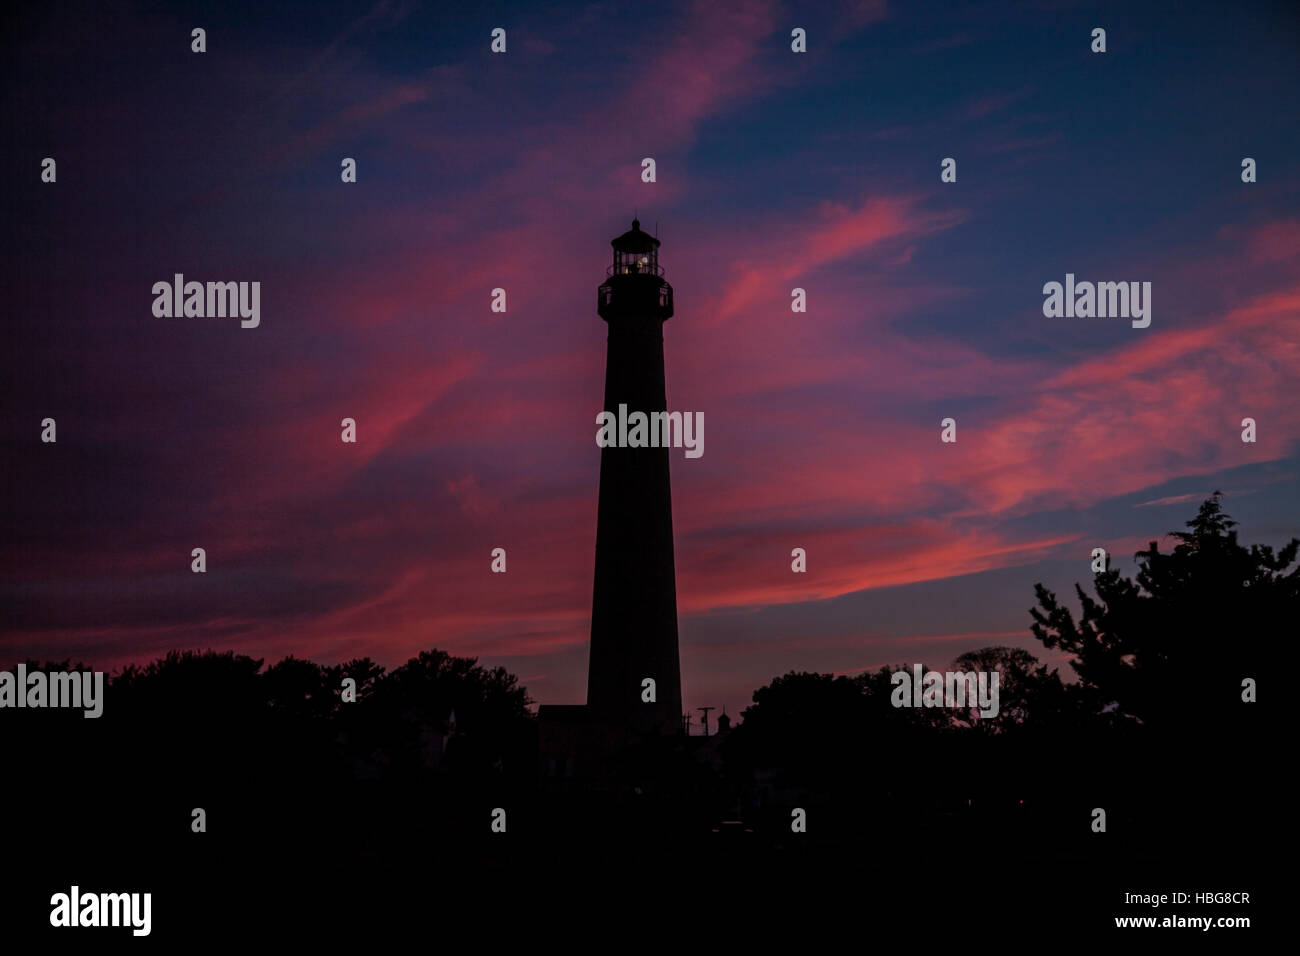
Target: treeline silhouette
1154,730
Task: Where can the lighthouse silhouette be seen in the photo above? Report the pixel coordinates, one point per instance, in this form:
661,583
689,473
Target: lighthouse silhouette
634,604
634,600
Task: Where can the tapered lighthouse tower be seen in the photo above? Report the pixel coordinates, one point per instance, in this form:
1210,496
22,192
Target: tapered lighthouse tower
634,607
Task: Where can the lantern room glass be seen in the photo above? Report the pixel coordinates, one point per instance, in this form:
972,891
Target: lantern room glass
644,261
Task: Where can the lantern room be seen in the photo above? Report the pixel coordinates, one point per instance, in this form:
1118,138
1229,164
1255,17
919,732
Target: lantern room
634,284
635,252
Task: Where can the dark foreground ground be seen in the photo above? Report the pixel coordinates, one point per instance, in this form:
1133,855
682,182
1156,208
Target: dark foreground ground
392,862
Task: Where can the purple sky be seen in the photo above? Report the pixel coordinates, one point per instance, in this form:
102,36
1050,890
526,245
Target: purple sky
476,429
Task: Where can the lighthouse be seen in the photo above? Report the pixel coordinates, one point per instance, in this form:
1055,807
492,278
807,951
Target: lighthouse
634,604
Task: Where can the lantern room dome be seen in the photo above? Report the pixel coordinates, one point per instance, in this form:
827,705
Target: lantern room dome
634,240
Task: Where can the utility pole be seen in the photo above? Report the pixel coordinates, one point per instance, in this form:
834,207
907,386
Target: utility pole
705,712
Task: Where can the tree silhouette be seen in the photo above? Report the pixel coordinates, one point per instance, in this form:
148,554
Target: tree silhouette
415,703
299,688
1029,693
1174,645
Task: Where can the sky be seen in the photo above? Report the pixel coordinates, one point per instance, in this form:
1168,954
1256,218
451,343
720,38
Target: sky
476,429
